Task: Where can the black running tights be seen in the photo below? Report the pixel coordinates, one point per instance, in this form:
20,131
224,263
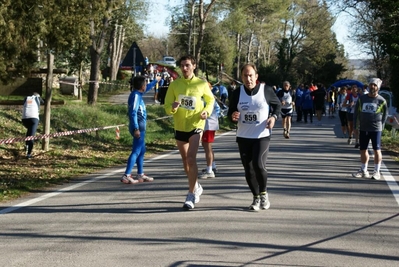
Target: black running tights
253,153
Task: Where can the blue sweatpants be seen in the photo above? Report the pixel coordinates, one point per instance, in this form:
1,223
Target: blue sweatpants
137,155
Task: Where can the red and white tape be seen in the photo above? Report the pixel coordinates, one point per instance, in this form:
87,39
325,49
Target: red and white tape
119,84
76,83
37,137
117,132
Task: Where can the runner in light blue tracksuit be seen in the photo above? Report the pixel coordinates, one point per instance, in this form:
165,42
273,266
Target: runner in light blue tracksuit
137,127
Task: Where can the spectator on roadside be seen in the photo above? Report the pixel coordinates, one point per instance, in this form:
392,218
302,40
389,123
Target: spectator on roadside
371,114
319,95
331,96
137,127
250,108
307,105
313,87
151,73
30,119
165,74
298,100
231,88
185,101
223,93
157,86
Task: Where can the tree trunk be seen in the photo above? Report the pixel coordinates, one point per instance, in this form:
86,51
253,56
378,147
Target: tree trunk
203,15
96,48
191,29
249,49
239,45
47,104
119,50
80,81
116,42
94,77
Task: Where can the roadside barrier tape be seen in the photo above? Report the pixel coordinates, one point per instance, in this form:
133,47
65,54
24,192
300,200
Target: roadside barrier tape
120,84
76,83
117,132
37,137
161,118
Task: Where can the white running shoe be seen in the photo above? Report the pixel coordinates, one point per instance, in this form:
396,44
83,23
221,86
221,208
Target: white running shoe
255,206
198,192
128,179
361,174
206,175
144,178
376,175
264,202
189,203
215,170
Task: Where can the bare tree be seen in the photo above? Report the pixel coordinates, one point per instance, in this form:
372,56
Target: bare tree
116,48
203,12
97,36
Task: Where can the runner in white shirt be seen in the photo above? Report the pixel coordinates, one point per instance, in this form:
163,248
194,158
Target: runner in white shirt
255,108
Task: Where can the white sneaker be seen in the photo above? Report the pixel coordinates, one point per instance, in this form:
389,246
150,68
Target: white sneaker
144,178
189,203
128,179
264,202
349,141
198,192
376,175
215,170
206,175
361,174
255,206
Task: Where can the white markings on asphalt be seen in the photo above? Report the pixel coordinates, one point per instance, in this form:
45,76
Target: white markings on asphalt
391,182
46,196
69,188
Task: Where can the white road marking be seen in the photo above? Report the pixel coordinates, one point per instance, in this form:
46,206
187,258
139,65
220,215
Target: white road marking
391,182
69,188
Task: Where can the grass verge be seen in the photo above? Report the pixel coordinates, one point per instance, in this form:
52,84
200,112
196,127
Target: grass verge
74,155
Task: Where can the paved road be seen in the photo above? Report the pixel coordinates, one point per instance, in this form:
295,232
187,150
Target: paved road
319,215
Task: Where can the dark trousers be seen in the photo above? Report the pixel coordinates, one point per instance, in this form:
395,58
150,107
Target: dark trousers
305,115
299,112
161,94
31,128
253,153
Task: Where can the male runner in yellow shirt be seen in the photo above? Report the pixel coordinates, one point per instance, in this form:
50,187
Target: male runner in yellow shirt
185,100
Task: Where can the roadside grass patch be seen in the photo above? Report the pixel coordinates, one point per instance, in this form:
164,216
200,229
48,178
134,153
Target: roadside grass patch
75,155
